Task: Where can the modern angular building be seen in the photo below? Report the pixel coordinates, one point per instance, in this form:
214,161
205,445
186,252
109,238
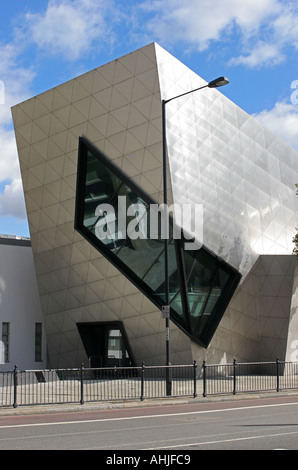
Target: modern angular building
91,157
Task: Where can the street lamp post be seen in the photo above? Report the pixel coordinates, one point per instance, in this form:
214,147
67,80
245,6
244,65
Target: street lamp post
218,82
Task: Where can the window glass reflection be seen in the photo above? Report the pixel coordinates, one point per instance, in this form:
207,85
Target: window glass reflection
206,281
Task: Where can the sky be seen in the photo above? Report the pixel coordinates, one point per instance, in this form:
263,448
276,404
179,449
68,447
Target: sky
43,43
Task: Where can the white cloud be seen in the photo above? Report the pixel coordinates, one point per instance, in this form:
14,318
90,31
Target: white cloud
16,82
12,198
16,79
278,34
266,27
197,22
282,120
12,201
286,25
9,166
263,54
70,27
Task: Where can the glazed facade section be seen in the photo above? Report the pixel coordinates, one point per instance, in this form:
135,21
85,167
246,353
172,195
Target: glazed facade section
218,157
201,285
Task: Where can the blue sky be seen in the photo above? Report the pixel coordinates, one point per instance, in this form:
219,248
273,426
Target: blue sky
46,42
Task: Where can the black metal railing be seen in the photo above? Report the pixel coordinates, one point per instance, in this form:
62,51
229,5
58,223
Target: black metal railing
249,377
82,385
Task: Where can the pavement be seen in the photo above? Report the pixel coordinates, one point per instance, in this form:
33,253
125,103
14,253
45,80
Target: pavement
106,405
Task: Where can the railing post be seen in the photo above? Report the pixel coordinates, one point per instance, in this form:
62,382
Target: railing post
82,384
277,374
204,379
142,381
168,380
194,379
234,377
15,386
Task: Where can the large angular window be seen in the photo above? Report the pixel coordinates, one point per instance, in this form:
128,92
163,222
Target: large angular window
116,217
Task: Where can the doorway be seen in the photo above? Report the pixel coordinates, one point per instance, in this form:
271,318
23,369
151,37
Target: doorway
105,344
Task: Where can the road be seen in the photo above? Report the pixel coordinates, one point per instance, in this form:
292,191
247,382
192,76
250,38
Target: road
243,424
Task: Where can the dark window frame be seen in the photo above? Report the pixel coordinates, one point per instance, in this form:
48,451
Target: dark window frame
38,342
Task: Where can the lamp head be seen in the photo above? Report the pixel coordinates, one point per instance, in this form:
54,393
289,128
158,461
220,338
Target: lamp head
218,82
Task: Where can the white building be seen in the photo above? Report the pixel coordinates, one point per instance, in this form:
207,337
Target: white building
22,340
